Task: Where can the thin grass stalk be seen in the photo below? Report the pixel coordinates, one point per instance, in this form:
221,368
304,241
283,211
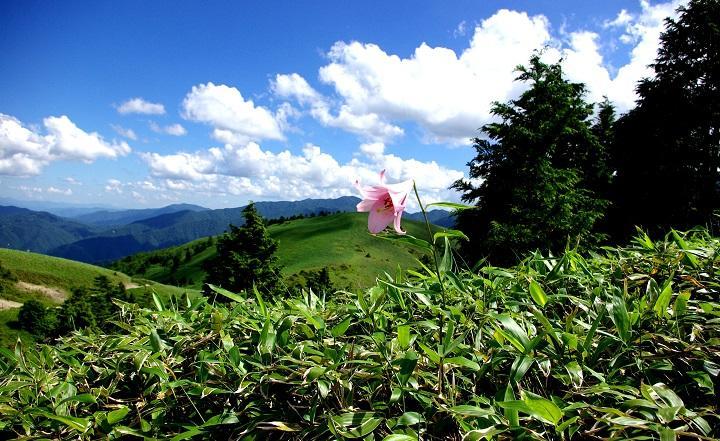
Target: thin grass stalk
441,370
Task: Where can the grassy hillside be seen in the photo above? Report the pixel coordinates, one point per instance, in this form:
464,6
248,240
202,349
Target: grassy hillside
178,227
50,280
340,242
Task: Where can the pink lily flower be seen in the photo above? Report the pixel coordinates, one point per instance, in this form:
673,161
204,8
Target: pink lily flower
385,202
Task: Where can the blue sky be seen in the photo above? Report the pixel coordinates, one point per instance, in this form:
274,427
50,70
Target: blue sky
143,104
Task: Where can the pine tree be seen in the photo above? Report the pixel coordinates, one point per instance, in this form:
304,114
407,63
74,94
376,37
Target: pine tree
668,146
245,257
537,169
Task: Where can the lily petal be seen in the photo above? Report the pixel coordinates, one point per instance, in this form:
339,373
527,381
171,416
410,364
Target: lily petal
398,193
396,223
372,192
380,217
366,204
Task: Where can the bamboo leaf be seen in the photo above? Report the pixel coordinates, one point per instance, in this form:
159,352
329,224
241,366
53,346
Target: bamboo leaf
342,327
537,293
225,293
449,234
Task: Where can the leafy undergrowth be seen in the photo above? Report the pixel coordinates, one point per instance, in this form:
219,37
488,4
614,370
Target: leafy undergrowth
623,345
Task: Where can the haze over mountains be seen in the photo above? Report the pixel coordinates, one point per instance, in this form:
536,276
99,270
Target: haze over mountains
106,235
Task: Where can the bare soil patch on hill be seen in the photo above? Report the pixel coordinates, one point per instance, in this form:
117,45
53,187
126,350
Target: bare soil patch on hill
8,304
54,294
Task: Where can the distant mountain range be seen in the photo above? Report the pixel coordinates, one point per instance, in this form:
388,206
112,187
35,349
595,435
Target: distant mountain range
112,218
104,235
62,209
39,231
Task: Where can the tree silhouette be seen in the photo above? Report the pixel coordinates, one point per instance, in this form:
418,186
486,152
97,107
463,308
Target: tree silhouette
245,257
668,146
537,169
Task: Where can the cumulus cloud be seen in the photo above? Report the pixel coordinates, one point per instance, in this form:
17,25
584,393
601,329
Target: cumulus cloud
139,105
126,133
61,191
622,19
224,108
449,94
253,172
583,60
114,186
368,125
25,152
172,129
68,141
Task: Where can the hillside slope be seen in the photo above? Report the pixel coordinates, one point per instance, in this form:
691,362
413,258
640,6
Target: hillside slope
178,227
25,275
340,242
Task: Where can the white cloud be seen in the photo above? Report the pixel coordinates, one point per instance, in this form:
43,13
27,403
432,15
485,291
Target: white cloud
68,141
224,108
460,30
54,190
449,94
138,197
114,186
172,129
126,133
584,63
252,172
623,19
175,130
29,191
369,126
179,166
139,105
72,181
24,152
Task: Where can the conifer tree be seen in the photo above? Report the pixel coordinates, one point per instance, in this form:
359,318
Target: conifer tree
538,170
245,257
668,146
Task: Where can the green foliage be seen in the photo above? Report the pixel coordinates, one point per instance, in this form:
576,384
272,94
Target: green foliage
667,146
245,257
316,280
618,345
93,307
37,319
542,168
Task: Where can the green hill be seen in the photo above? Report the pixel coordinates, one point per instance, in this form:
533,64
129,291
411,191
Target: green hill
25,275
340,242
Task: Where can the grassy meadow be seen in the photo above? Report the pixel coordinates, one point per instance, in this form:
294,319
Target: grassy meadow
50,280
340,242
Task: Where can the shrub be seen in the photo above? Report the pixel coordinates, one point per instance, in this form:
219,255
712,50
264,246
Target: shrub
617,345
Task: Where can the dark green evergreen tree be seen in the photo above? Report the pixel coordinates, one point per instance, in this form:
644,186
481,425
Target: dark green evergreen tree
319,281
668,146
37,319
77,311
538,168
245,257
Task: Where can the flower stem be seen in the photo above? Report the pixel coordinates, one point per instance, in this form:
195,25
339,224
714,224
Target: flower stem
441,371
